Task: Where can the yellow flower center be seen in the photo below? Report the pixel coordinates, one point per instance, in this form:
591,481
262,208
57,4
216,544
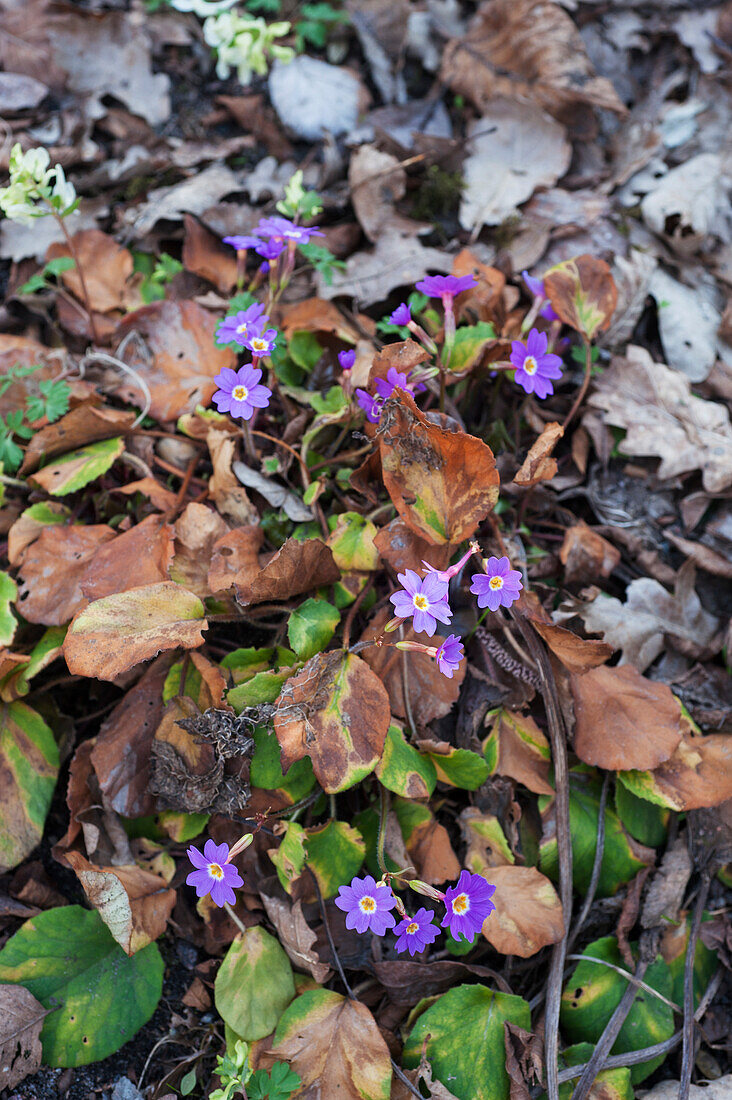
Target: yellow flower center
367,904
420,602
530,365
259,345
240,393
461,904
412,928
215,870
496,583
242,328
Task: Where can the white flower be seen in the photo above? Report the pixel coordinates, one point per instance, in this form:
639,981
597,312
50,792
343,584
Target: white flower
15,205
202,8
63,194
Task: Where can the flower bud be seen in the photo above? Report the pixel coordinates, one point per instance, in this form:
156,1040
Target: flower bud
420,887
242,843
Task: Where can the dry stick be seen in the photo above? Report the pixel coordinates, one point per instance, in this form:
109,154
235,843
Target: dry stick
687,1060
352,613
596,866
558,740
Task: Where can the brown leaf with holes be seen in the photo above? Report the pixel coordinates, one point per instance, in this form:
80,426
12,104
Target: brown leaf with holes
586,555
583,294
205,254
52,570
528,913
235,558
575,653
134,904
139,556
296,936
336,711
442,483
539,464
526,49
296,567
430,694
402,549
21,1020
623,720
86,423
197,530
179,361
107,268
121,753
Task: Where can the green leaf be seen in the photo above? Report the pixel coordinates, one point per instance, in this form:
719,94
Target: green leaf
352,542
311,626
647,823
335,854
8,622
278,1084
266,772
182,827
594,991
329,405
469,345
53,401
403,770
322,259
76,469
46,650
245,663
289,858
188,1082
706,963
100,997
610,1084
460,768
254,984
465,1046
262,688
59,265
29,763
304,350
622,857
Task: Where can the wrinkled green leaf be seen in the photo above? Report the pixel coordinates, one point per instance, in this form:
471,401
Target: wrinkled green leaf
254,984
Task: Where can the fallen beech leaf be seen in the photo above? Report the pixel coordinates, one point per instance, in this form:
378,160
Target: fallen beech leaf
396,260
528,914
316,315
538,464
404,356
663,418
85,424
431,695
586,555
442,483
296,567
197,531
575,653
137,557
402,549
583,294
115,633
224,488
30,523
234,558
21,1020
53,568
205,254
296,936
650,616
336,711
516,747
184,357
623,720
527,49
134,904
107,268
335,1047
160,497
699,774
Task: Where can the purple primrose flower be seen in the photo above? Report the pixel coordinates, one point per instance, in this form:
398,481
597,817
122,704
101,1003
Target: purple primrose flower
236,328
424,598
536,287
534,367
240,393
449,655
402,315
367,905
498,586
347,358
468,903
241,244
414,933
445,286
448,574
262,343
285,230
213,874
385,388
270,249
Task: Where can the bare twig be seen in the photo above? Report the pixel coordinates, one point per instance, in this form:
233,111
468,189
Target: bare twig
596,866
687,1060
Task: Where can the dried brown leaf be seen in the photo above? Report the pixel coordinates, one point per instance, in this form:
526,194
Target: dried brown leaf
21,1020
204,254
107,268
197,531
583,294
86,423
698,775
538,464
586,555
402,549
139,556
224,488
522,750
296,936
53,568
575,653
235,558
528,914
378,181
407,981
296,567
316,315
666,892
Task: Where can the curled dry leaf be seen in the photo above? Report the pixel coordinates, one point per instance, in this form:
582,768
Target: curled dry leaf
235,558
107,268
53,568
407,981
161,498
538,464
336,711
115,633
575,653
21,1020
224,488
197,530
296,936
134,904
663,419
442,483
181,357
528,914
516,747
526,49
623,720
583,294
296,567
666,893
137,557
86,423
586,555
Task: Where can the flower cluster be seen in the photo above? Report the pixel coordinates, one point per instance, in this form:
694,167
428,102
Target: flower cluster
35,189
385,387
245,43
272,236
368,904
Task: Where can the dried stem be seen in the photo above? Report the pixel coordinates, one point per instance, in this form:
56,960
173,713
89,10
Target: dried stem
583,388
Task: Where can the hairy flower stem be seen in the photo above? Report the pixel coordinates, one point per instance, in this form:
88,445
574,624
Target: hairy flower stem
234,917
583,388
84,289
